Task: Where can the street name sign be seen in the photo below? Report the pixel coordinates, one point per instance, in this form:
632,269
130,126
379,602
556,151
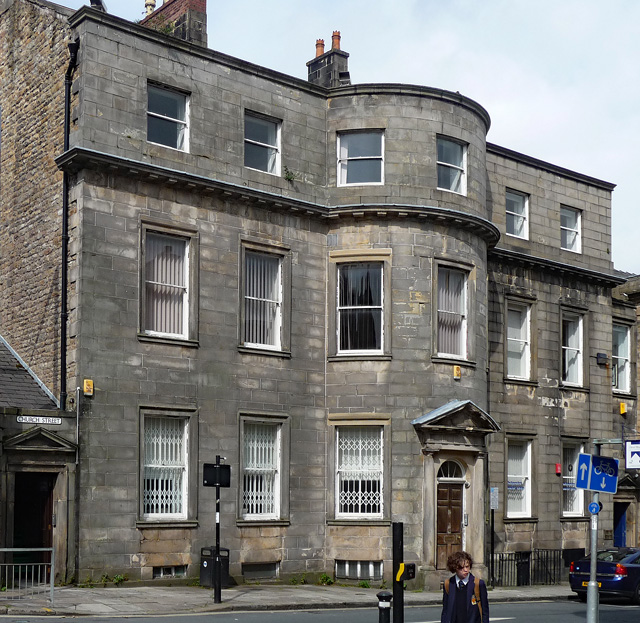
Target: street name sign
597,473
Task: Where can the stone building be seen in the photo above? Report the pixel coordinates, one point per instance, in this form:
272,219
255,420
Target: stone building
372,313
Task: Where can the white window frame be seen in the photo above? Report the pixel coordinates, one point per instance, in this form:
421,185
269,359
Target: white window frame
344,159
273,149
265,464
359,471
460,166
182,125
167,281
343,308
568,230
572,349
520,342
621,358
260,297
520,199
168,458
572,496
519,480
445,310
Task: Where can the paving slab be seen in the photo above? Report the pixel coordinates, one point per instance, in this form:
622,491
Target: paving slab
154,600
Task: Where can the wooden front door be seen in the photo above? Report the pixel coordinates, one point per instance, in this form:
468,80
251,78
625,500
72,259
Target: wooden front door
449,522
33,513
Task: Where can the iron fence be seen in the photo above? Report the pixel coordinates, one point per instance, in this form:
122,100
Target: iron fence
539,566
26,571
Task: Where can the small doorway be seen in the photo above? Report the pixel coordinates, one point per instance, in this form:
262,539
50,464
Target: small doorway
33,514
449,512
620,524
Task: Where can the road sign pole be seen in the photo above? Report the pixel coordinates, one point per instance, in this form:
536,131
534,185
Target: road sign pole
217,565
592,587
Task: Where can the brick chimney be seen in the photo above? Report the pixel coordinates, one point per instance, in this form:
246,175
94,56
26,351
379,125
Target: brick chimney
184,19
329,69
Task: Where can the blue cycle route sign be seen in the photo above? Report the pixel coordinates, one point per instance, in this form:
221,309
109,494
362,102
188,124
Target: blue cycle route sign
597,473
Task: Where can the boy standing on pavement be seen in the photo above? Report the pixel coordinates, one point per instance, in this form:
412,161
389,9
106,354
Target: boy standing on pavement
464,597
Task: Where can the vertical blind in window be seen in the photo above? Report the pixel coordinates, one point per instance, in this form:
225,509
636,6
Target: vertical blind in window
518,482
261,465
166,284
452,305
164,466
360,306
262,299
359,477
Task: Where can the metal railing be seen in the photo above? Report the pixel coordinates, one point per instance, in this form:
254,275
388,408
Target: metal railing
21,578
539,566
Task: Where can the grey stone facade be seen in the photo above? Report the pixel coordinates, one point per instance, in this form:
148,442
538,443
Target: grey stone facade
218,384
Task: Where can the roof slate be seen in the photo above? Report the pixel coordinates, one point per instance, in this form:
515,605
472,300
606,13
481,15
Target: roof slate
18,388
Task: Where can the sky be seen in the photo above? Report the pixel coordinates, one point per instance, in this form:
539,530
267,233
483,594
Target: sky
559,78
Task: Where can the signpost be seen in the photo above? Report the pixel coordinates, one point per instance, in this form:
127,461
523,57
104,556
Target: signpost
598,474
217,475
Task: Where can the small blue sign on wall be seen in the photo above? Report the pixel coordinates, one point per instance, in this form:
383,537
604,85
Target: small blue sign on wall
597,473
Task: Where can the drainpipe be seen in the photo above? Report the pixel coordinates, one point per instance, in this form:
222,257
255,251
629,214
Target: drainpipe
73,59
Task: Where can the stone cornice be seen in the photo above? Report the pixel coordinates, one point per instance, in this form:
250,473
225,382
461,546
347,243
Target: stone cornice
79,158
532,261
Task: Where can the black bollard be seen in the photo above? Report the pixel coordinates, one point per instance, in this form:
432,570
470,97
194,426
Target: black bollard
384,606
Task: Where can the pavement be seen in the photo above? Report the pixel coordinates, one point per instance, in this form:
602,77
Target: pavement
163,600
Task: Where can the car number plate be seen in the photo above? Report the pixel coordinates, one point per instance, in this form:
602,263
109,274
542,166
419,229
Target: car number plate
587,584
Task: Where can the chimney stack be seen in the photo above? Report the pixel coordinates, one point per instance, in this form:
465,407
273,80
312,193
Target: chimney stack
183,19
329,69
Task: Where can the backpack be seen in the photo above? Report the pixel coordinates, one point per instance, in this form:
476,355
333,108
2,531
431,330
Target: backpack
476,592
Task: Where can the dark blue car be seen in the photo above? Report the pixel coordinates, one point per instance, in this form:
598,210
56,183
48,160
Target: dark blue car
617,573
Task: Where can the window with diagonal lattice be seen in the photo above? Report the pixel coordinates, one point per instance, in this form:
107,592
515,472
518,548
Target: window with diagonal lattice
261,470
165,467
359,471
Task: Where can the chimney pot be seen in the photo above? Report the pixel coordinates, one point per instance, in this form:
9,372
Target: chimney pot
335,40
319,47
150,6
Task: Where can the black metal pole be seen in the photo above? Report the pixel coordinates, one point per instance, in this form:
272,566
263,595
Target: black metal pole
217,565
398,558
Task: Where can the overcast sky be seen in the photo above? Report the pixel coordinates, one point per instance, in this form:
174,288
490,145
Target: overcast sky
560,78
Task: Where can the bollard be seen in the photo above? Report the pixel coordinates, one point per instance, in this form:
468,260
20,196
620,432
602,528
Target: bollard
384,606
